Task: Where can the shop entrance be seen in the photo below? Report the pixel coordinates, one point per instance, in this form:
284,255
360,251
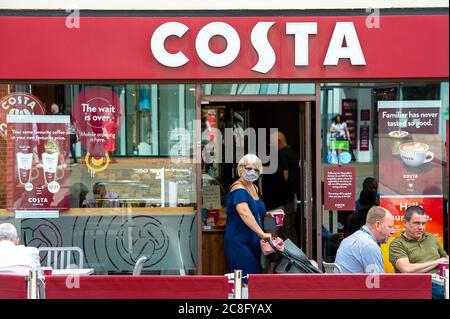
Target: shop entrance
293,119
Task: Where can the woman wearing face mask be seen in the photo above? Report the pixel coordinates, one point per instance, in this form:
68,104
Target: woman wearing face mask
245,215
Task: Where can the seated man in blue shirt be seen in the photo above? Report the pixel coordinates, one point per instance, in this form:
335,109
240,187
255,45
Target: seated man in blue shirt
360,252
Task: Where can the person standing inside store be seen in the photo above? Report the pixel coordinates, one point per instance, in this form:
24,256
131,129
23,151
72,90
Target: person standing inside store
245,213
367,199
371,184
55,109
280,188
340,133
417,251
73,141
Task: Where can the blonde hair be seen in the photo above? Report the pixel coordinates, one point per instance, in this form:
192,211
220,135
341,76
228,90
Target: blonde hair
375,214
249,159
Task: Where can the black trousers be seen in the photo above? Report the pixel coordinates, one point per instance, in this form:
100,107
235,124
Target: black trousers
73,141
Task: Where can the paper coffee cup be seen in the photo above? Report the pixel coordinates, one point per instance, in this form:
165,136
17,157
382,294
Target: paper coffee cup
279,217
47,271
442,266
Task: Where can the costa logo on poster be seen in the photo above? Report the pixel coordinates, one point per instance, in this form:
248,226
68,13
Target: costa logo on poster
18,103
344,32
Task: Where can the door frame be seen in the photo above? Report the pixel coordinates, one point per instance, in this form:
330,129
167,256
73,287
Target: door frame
201,99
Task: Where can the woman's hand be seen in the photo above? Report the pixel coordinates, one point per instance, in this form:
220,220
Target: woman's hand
266,236
270,213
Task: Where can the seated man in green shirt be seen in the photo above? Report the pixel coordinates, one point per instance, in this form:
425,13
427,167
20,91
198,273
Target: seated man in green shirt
416,251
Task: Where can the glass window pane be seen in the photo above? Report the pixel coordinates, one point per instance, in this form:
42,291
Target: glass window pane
140,202
359,140
259,88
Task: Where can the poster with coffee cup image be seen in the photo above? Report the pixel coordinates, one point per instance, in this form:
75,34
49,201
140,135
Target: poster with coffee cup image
37,162
410,148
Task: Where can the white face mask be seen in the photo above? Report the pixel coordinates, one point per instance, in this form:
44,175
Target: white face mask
251,175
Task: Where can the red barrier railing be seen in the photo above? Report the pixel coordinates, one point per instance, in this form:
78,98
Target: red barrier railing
340,286
13,287
136,287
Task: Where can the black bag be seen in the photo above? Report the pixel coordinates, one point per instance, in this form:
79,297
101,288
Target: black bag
294,261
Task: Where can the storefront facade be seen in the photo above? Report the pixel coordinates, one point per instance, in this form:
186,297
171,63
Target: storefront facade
150,98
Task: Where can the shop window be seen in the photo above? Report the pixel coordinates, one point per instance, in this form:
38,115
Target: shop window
381,121
259,89
120,192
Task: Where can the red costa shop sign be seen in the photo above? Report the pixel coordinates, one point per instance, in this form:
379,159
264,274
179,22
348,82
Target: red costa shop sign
303,47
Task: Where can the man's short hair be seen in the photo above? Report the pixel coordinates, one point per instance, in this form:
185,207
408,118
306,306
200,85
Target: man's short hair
375,214
411,210
8,232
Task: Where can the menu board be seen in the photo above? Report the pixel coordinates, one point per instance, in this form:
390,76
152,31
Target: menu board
38,173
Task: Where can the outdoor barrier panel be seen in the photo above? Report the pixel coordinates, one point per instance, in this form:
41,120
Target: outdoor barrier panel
136,287
340,286
13,287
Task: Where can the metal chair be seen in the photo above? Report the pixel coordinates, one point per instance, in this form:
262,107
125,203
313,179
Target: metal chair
139,265
330,268
60,257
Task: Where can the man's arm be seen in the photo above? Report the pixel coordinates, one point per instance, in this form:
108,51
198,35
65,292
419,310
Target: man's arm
441,251
403,265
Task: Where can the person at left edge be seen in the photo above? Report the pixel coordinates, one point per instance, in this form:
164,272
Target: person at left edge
16,259
245,213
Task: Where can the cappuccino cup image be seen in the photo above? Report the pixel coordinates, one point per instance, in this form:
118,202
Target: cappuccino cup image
415,154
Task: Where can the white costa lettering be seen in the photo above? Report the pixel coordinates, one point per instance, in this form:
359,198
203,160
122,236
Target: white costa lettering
217,59
260,42
301,32
344,32
37,200
160,35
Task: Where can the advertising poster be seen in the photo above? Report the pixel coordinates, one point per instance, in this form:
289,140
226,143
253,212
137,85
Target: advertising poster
339,188
364,136
433,206
97,117
410,159
410,148
349,107
37,162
